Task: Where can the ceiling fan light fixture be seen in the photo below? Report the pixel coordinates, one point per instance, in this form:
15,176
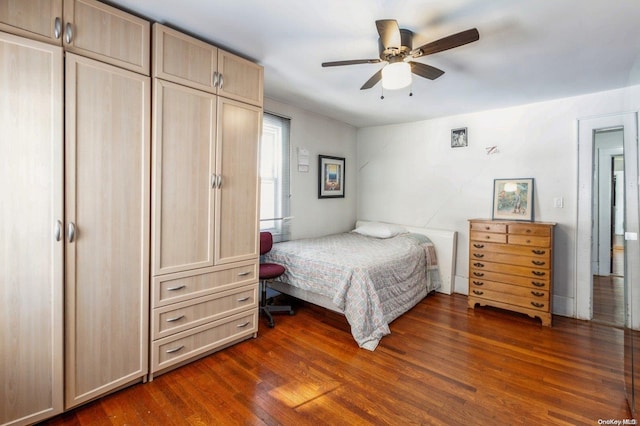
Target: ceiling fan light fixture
396,75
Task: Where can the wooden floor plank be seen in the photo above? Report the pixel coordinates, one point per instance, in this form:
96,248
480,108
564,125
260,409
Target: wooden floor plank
442,364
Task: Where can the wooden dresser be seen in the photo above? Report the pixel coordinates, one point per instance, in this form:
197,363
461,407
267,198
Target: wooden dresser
511,266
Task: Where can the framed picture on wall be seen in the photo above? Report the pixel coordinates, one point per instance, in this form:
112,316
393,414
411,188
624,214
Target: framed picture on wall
513,199
459,138
330,177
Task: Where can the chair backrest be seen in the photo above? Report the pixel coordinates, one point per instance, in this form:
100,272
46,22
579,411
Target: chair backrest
266,242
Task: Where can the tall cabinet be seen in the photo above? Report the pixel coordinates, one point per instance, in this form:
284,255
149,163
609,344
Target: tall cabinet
74,232
207,124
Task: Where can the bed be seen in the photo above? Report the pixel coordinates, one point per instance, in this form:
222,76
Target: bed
371,275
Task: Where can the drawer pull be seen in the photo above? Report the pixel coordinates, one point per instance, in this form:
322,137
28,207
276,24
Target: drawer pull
488,237
538,273
174,319
180,287
244,274
537,293
478,265
540,252
243,325
478,255
174,350
528,231
479,293
537,305
243,299
538,262
478,274
478,245
537,284
478,283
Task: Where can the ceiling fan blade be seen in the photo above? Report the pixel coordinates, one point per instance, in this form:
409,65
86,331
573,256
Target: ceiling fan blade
426,71
389,33
372,81
350,62
447,43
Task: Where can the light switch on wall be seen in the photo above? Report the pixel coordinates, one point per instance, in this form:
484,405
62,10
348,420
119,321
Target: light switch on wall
558,202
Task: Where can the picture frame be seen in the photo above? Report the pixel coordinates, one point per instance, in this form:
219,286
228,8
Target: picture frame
513,199
331,176
459,138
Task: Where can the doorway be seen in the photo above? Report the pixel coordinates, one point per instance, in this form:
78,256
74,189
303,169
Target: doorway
608,224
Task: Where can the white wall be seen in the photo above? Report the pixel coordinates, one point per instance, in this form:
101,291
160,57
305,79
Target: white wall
320,135
409,174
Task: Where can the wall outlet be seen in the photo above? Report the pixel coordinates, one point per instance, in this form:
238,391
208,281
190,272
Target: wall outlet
558,202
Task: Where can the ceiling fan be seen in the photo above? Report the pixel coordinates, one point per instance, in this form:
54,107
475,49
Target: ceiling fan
396,48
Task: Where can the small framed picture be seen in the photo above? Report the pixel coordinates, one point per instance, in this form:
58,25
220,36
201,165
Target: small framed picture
459,138
513,199
330,177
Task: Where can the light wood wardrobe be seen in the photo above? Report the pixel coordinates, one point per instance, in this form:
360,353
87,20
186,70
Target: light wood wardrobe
207,124
74,232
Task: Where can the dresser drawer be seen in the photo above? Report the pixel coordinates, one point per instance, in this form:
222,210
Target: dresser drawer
523,271
478,276
482,247
477,287
187,344
512,259
528,240
535,303
488,237
181,316
488,227
180,286
529,229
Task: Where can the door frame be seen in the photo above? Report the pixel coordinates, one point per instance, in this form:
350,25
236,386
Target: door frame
586,128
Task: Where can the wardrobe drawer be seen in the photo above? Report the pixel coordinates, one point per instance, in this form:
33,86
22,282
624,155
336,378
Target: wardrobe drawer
187,344
181,316
180,286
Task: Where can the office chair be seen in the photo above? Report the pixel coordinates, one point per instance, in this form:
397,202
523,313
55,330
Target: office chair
269,272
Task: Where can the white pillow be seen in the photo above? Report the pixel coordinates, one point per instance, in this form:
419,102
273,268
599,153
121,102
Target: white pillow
380,230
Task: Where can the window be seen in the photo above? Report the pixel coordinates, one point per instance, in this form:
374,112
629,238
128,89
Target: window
274,177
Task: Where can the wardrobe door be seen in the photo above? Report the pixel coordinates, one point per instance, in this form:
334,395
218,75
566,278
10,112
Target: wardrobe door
35,19
107,181
239,130
31,211
184,181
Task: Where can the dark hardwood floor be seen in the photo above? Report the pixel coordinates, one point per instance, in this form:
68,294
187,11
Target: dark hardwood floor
608,292
442,364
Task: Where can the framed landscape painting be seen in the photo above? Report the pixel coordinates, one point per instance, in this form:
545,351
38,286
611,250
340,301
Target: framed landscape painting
513,199
330,177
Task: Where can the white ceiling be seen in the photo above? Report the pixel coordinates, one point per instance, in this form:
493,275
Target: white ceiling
529,50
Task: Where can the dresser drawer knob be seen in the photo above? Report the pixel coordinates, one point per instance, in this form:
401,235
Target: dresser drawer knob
243,299
537,284
478,274
538,262
478,255
537,305
243,325
539,252
478,245
487,228
537,293
171,351
488,237
478,292
244,274
538,273
478,283
528,231
478,265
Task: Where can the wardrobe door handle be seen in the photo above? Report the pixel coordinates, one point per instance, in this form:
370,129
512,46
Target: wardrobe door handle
219,181
213,180
71,232
68,33
57,233
215,79
57,28
220,81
